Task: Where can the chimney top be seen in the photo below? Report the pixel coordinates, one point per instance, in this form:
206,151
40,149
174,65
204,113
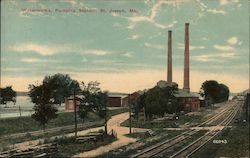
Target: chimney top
169,30
187,23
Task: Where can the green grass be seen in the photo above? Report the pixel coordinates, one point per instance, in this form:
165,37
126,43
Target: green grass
193,119
67,147
27,124
14,125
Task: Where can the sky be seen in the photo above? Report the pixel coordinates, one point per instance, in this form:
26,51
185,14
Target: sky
123,44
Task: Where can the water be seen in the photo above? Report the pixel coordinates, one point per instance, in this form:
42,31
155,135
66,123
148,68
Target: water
26,107
12,110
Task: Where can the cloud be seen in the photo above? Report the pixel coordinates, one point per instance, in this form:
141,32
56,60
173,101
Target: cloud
153,13
128,54
96,52
46,50
232,40
205,8
224,48
203,58
181,46
38,48
215,11
32,60
218,57
156,46
223,2
240,43
84,60
134,37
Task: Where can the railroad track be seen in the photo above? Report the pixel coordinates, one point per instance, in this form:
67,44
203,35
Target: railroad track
170,144
197,144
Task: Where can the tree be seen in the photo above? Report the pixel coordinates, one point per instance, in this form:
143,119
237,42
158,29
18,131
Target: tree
42,97
64,86
7,94
94,100
213,92
140,104
101,104
159,100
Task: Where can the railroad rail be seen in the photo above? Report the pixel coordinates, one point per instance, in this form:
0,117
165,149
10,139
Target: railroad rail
197,144
227,114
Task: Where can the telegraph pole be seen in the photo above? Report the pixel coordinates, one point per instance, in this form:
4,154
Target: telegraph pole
75,112
129,113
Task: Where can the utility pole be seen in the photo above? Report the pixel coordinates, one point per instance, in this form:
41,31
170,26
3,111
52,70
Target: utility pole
75,112
20,111
21,116
129,113
247,102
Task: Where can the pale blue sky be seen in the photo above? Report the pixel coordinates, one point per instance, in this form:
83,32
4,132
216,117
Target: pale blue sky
124,51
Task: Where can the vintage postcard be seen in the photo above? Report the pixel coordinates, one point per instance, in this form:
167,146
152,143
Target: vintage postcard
124,78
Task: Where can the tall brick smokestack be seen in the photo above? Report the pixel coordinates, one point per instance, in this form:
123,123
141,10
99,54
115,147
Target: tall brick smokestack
169,73
186,59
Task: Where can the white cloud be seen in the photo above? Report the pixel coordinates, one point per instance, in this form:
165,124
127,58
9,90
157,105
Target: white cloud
32,60
156,46
181,46
240,43
84,60
96,52
47,50
128,54
223,2
232,40
153,13
205,8
134,37
224,48
203,58
215,11
218,57
38,48
37,60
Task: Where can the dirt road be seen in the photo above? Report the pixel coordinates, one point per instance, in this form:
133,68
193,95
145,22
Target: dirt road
122,140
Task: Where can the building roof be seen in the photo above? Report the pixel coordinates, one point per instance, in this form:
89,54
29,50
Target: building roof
184,94
116,94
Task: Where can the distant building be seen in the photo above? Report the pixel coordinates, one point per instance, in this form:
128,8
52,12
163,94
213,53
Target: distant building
69,103
132,98
188,100
115,99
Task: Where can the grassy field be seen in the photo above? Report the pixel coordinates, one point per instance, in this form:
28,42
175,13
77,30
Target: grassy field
192,119
27,124
67,146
